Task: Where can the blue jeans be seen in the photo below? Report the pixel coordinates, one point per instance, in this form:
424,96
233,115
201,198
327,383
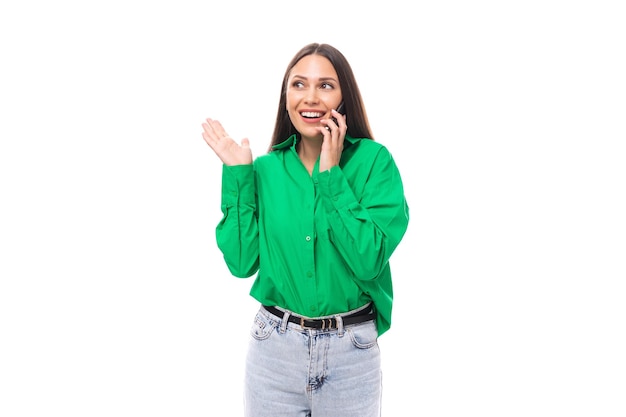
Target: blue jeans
298,372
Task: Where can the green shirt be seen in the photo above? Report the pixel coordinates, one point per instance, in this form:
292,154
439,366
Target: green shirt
320,244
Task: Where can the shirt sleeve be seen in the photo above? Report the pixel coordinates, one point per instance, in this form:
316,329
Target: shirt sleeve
366,231
237,232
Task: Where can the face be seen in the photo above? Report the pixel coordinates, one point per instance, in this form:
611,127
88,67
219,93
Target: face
312,92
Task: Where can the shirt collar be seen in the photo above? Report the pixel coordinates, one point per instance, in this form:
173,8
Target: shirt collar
291,141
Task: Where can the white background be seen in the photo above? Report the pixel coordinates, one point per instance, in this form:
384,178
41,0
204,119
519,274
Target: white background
506,119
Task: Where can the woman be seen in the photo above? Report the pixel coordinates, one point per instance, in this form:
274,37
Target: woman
316,219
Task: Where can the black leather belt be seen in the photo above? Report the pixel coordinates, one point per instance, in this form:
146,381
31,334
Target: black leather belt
361,316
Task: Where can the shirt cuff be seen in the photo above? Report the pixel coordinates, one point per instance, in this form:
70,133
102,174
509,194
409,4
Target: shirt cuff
334,189
237,184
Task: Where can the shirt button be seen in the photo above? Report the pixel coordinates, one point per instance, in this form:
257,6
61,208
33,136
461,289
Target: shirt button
313,308
308,238
309,274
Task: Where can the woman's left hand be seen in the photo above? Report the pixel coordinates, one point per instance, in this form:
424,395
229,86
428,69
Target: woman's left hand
334,134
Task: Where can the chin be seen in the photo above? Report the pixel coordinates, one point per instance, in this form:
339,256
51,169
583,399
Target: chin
313,136
310,133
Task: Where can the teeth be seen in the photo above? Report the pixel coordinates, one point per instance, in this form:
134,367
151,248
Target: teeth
311,114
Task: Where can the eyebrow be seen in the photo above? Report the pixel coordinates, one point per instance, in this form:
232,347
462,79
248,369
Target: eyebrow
321,79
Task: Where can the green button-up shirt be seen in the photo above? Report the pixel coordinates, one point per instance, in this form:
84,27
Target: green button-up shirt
319,244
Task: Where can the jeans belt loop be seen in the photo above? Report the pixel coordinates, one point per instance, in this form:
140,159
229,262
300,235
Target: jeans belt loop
284,321
340,330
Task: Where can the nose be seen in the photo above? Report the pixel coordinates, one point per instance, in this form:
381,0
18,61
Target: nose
312,96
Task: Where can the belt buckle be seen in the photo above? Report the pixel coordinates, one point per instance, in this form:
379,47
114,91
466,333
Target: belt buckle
304,326
327,324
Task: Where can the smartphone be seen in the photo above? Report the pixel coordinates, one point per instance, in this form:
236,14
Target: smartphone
340,110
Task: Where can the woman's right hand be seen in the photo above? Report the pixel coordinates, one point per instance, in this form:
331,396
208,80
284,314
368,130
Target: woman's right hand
229,151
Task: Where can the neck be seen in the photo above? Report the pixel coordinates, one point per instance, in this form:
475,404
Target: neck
308,151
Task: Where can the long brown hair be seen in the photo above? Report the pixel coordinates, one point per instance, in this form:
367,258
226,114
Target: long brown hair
354,109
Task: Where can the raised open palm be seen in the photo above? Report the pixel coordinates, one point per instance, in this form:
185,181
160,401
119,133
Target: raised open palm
225,147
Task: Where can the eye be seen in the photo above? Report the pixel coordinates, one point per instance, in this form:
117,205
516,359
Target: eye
297,84
327,86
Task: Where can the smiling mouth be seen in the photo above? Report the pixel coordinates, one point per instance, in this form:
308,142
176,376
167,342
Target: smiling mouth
311,114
